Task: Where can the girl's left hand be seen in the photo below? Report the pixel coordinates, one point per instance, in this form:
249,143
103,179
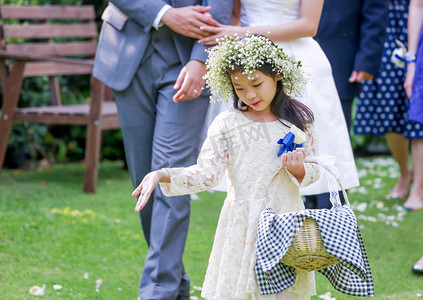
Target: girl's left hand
219,32
294,162
145,188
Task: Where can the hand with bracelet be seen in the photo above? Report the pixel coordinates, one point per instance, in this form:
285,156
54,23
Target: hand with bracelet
409,77
147,186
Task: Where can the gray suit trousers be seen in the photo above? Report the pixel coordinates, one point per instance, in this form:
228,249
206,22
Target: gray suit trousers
159,133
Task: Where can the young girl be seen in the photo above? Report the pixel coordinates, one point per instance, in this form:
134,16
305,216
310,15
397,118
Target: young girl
258,75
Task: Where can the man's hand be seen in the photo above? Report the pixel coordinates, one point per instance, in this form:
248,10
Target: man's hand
188,20
359,76
190,81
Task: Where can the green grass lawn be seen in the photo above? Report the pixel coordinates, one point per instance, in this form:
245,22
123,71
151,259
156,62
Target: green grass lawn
53,234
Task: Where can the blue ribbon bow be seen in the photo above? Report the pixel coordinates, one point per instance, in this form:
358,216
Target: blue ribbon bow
288,143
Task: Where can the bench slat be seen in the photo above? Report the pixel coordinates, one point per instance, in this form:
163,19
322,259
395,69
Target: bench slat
47,12
56,49
46,31
76,113
108,108
55,68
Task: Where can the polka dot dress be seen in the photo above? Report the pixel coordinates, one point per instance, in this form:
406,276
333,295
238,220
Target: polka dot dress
383,104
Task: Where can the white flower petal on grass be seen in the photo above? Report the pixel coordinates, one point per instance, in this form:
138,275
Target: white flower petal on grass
57,287
362,190
194,197
98,283
419,295
119,289
327,296
372,219
373,203
382,174
194,298
362,173
198,288
37,291
362,206
382,216
86,276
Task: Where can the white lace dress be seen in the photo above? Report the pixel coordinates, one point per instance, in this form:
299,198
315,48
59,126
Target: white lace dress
320,95
247,152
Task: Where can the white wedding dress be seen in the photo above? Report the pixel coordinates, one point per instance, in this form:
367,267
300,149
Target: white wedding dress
246,151
320,94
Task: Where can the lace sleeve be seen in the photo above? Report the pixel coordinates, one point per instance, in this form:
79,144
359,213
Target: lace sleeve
312,171
208,171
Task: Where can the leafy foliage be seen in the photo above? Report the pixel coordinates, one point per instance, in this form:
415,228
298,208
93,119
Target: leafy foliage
29,142
70,233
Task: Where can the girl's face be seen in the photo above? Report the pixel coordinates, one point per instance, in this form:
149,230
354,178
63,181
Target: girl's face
257,91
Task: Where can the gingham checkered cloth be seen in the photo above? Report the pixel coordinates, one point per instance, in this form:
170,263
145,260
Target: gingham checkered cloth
341,238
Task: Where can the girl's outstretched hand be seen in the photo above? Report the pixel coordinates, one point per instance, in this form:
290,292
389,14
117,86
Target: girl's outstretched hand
147,186
294,162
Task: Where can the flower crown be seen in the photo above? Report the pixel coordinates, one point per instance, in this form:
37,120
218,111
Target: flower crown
249,53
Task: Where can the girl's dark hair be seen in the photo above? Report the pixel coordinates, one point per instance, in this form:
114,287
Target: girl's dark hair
282,106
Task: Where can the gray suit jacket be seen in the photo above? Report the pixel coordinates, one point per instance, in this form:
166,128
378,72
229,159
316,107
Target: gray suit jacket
126,33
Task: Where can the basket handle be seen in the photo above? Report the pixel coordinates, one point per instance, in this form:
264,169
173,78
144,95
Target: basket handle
330,169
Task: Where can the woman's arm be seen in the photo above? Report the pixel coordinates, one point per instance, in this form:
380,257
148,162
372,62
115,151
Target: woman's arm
306,25
415,22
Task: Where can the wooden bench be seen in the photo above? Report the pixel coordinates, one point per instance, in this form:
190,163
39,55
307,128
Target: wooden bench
53,41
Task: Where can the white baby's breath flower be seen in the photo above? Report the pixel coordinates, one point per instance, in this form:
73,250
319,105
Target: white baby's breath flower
37,291
248,54
300,136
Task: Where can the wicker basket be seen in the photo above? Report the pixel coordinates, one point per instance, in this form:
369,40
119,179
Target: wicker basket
307,251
